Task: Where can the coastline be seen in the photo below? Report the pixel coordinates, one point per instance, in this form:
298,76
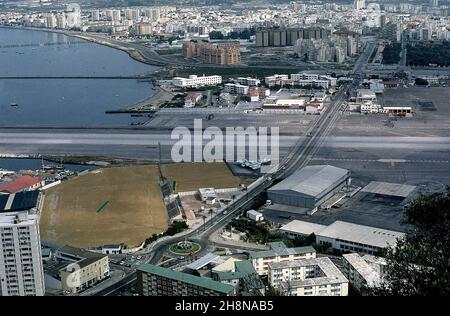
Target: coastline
148,104
132,52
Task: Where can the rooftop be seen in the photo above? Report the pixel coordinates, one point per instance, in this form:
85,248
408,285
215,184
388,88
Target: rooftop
280,249
302,227
203,261
19,184
331,274
371,276
386,188
311,180
186,278
366,235
21,201
85,258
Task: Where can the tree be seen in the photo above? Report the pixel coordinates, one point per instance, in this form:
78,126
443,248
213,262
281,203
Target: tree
421,82
216,35
420,264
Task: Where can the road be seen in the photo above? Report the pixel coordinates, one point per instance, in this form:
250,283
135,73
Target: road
301,154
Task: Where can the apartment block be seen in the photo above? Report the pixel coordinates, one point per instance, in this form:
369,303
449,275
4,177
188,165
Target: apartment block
21,271
235,88
221,53
278,253
308,277
158,281
196,81
363,271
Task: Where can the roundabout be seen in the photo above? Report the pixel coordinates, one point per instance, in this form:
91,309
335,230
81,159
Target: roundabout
184,247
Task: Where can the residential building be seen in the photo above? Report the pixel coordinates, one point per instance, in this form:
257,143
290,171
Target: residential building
234,88
308,277
288,37
278,253
248,81
21,270
158,281
221,53
360,272
191,99
243,277
359,4
196,81
277,80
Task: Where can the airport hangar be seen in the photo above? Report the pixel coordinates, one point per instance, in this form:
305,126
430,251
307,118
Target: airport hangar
309,187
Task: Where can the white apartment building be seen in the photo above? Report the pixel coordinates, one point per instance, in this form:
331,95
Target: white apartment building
360,272
235,88
196,81
276,80
278,253
305,79
21,271
308,277
248,81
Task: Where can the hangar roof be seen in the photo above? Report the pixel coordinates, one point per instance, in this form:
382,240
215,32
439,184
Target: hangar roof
311,180
386,188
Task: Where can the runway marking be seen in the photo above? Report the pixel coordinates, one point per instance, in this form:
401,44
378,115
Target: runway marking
427,134
381,160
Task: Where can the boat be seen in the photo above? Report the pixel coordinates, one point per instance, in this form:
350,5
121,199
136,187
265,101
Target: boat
14,103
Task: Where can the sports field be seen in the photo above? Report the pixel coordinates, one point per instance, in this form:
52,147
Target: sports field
112,205
192,176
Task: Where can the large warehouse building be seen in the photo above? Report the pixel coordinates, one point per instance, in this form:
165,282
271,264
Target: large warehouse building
309,187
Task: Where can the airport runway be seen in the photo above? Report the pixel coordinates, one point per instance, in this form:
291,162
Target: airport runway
45,140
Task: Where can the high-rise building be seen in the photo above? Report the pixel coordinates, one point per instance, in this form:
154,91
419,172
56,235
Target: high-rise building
95,15
359,4
434,3
21,271
288,37
50,21
222,53
132,14
61,21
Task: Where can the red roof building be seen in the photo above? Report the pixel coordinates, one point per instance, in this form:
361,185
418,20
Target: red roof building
20,184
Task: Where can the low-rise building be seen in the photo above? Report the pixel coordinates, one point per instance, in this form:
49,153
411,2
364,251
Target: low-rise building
22,183
158,281
398,111
196,81
85,270
308,277
248,81
345,236
234,88
277,80
278,253
191,99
